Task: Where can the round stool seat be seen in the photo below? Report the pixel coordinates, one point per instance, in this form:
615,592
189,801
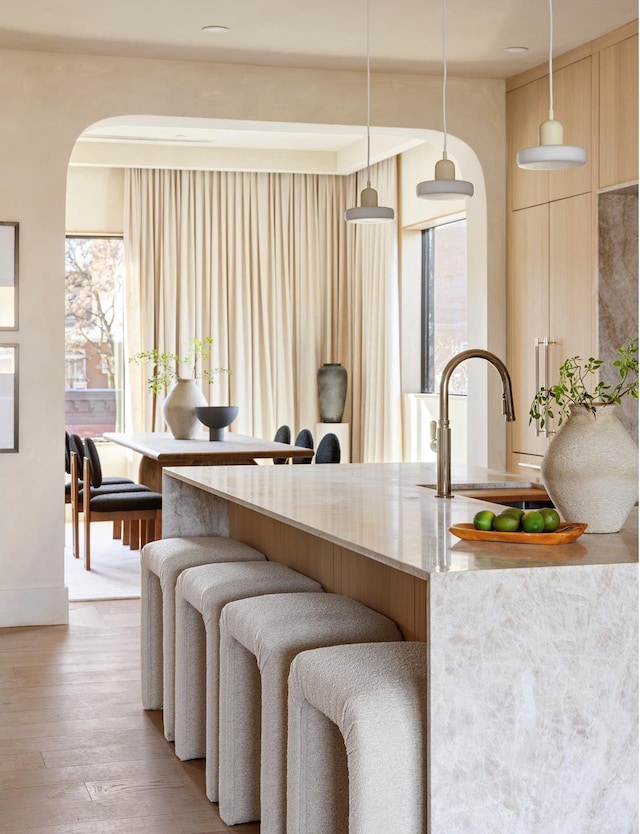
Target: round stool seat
357,739
201,594
259,638
161,563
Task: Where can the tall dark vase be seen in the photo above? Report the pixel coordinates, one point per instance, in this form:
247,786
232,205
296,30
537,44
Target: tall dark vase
332,392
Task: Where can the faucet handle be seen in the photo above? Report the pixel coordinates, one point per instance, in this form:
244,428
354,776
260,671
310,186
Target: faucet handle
433,427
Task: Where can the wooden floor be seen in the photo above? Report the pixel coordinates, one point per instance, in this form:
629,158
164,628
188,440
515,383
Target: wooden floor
78,754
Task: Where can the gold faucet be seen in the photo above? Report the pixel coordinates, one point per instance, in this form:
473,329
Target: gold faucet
443,432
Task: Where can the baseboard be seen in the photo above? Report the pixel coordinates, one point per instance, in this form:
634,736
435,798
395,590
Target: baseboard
34,606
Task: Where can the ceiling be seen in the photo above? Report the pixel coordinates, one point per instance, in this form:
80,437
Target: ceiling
405,37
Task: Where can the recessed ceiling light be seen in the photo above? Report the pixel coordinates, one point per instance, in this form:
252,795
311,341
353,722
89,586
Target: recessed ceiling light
516,49
215,30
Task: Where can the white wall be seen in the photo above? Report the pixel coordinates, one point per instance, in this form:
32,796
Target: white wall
95,201
46,101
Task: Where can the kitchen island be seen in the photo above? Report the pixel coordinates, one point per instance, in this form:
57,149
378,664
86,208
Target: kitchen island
532,649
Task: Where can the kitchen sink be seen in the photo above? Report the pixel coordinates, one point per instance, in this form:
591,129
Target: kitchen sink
526,495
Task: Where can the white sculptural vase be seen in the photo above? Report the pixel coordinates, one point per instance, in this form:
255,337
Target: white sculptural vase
590,469
179,409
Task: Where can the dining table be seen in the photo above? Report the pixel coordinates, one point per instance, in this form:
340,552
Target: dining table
160,449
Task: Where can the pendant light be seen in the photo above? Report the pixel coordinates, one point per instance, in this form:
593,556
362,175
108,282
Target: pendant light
369,211
444,186
551,154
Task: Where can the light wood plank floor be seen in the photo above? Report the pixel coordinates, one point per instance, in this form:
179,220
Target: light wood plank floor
78,754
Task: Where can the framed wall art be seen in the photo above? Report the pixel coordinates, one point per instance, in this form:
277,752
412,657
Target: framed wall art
8,398
8,275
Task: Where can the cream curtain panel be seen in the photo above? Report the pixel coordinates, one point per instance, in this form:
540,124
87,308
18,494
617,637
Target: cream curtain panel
266,264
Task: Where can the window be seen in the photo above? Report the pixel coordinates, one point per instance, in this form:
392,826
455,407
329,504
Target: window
94,330
444,304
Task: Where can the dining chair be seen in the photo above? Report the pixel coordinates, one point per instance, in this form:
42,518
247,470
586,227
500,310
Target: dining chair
328,450
141,507
304,438
282,435
76,450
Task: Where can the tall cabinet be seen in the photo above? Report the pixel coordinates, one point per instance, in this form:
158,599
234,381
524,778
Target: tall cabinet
552,219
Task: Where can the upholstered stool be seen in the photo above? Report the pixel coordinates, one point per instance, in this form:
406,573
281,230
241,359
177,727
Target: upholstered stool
201,594
162,562
372,700
259,638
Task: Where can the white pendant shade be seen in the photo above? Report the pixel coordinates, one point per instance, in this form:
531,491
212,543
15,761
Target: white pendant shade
369,211
444,186
551,154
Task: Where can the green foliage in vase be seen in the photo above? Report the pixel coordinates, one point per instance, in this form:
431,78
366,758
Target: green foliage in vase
168,367
577,385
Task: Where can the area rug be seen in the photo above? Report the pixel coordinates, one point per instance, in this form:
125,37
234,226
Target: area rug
115,569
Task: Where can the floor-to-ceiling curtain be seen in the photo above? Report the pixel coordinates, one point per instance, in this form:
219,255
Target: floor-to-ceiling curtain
266,264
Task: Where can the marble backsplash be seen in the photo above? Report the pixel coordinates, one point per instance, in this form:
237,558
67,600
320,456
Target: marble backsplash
618,284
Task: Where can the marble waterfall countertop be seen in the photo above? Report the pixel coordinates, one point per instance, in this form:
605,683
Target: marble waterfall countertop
384,512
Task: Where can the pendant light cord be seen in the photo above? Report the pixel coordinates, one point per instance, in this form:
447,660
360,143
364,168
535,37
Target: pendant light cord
444,76
551,60
368,104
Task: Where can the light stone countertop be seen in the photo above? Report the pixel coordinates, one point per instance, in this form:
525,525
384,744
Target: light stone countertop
381,511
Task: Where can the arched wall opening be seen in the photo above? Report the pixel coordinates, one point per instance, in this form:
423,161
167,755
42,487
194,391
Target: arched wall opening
47,101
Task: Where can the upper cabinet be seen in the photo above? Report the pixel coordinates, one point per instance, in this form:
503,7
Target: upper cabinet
619,113
527,108
552,263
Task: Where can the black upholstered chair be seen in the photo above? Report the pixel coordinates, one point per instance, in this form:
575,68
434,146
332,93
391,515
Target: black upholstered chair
138,506
74,447
328,450
303,438
282,435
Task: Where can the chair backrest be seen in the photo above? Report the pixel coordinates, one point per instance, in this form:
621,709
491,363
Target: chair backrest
328,450
76,445
282,435
67,453
303,438
94,462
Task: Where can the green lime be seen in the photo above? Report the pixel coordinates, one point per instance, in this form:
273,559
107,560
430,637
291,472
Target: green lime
513,511
533,522
483,520
506,523
551,519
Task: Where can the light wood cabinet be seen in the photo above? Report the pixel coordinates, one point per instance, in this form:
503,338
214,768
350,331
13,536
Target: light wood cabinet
619,113
552,222
528,312
527,108
551,303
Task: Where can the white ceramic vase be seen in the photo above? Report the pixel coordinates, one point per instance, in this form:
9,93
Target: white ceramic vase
590,469
179,409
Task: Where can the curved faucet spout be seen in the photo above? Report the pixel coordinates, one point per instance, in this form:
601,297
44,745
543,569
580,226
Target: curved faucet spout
443,435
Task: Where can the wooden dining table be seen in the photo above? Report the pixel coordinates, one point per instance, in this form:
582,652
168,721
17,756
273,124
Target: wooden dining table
160,449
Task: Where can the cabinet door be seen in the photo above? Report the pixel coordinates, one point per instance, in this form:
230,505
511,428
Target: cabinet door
572,281
619,113
572,107
528,305
527,108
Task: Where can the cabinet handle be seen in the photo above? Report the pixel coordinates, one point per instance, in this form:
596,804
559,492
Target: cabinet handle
530,465
536,353
547,343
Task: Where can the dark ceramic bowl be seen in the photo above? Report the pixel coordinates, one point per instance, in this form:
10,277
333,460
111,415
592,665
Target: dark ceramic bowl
216,418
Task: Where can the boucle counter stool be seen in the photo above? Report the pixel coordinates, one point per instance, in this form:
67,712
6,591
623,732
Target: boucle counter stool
162,562
201,594
370,700
259,638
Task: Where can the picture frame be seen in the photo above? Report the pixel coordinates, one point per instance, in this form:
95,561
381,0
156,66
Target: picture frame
9,389
9,258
